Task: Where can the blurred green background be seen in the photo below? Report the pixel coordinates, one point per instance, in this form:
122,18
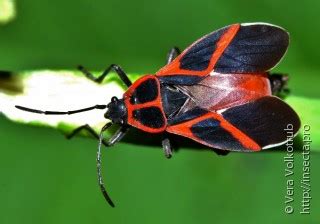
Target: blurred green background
47,179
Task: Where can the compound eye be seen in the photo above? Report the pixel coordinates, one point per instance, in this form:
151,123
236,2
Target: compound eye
114,99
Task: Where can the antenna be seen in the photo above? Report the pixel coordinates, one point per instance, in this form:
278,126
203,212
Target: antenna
100,180
100,107
105,127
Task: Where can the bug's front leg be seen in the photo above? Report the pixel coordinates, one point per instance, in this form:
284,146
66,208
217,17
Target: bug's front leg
173,53
123,76
167,149
118,135
89,129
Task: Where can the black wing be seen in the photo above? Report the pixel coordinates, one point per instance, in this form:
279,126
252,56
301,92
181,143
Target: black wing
261,124
255,48
267,120
238,48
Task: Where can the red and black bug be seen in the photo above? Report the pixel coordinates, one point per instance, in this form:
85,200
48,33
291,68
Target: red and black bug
217,92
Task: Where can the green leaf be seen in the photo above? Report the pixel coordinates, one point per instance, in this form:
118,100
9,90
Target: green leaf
7,11
59,91
70,90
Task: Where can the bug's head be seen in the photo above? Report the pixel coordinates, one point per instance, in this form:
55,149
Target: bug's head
117,111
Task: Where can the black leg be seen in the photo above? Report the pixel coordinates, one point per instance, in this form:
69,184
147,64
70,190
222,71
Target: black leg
173,53
279,83
120,133
123,76
221,152
88,129
166,146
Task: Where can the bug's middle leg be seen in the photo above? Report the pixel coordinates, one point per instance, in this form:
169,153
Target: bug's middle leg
172,54
167,148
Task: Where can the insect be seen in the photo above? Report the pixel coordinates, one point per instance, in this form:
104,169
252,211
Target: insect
217,92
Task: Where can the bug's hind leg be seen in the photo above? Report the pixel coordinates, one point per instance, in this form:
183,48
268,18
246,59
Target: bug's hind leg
221,152
172,54
167,148
123,76
279,84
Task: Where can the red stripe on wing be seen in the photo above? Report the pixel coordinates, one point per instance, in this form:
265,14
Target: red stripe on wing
184,129
174,67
